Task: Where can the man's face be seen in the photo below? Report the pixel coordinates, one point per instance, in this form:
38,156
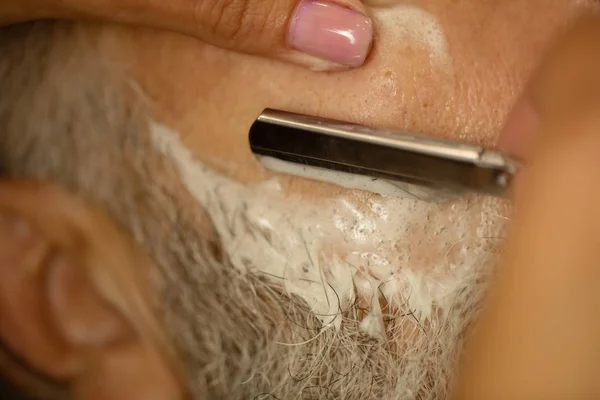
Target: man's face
281,287
404,273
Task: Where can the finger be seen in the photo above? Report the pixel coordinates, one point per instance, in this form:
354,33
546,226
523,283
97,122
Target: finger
565,82
321,35
538,334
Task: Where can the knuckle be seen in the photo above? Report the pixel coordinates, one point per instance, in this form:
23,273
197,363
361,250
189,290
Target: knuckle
235,21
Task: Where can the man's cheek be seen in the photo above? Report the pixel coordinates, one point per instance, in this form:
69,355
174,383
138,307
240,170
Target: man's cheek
336,250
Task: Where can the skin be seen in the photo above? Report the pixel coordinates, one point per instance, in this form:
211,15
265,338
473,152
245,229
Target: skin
399,87
538,335
247,26
196,100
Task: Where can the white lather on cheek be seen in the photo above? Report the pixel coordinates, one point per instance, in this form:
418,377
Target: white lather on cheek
404,25
410,43
330,252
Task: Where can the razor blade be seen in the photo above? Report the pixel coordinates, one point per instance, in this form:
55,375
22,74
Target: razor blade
425,167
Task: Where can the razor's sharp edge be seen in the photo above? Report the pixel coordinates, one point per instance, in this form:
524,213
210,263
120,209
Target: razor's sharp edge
446,165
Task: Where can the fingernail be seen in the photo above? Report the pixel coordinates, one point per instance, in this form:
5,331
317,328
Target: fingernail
518,135
330,31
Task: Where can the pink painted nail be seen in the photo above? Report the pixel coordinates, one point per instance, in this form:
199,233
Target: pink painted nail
332,32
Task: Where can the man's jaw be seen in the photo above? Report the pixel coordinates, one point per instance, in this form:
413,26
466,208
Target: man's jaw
402,275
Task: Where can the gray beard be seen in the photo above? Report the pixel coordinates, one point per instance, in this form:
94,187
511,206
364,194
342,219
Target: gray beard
75,121
244,338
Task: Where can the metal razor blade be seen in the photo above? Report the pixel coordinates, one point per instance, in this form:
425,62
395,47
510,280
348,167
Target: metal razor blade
425,167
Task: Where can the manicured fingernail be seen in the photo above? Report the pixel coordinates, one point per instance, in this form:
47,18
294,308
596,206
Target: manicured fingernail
330,31
518,135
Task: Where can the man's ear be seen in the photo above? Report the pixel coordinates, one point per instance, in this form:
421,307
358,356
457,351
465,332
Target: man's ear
75,304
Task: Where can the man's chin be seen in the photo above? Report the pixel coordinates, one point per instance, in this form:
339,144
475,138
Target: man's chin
360,296
258,338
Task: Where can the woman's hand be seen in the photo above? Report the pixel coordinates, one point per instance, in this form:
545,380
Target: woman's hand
320,35
539,332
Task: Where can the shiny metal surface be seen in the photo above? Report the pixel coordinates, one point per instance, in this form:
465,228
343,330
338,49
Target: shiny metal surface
443,165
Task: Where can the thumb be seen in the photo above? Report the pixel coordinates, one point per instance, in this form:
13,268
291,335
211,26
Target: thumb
317,34
538,334
566,82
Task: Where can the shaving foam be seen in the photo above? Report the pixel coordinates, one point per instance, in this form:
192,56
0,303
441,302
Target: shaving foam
405,25
343,249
